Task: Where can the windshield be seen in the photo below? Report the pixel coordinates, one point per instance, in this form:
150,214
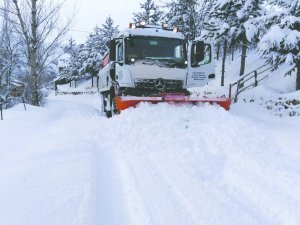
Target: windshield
156,48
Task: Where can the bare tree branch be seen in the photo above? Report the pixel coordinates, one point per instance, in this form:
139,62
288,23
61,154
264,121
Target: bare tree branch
38,26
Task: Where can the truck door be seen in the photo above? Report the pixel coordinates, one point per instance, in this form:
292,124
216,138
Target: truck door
200,64
122,70
119,63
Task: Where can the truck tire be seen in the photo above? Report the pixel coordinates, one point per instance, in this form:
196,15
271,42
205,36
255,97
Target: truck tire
105,100
111,101
113,106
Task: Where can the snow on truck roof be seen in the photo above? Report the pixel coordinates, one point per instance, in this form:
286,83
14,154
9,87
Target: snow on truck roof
154,31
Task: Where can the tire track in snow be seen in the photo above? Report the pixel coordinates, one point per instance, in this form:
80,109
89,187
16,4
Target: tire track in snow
160,189
208,201
184,161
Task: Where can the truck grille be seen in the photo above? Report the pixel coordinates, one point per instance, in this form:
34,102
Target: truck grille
159,84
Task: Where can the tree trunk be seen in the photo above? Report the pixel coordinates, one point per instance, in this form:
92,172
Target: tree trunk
244,55
33,55
218,51
40,43
298,77
223,62
192,22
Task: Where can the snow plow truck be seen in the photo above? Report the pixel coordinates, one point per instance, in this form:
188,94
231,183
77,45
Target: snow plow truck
154,64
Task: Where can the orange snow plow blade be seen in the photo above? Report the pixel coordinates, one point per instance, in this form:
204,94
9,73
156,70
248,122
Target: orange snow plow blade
123,103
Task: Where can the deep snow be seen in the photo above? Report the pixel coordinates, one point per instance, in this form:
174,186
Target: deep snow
155,164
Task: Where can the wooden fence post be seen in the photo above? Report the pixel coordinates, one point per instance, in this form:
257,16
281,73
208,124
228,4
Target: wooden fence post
1,111
24,103
237,91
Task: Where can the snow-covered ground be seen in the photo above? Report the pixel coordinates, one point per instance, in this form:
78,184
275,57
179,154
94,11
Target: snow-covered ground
155,164
81,87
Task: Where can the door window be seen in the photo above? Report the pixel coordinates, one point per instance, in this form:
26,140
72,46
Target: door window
207,55
120,52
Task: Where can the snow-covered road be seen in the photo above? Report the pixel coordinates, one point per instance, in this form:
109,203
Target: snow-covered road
152,165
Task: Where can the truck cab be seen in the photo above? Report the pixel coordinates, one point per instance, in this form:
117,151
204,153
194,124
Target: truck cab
148,60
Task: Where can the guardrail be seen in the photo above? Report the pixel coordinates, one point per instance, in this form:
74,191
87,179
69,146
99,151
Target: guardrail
251,80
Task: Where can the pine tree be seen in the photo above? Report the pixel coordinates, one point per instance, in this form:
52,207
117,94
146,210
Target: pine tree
91,53
216,28
71,71
86,62
250,10
205,7
228,21
150,13
71,47
107,32
280,44
86,58
183,14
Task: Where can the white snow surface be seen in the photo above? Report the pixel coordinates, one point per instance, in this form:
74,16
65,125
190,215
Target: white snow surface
152,165
156,32
81,86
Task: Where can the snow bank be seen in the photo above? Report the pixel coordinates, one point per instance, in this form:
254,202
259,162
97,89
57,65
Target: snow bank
46,164
155,164
200,165
273,93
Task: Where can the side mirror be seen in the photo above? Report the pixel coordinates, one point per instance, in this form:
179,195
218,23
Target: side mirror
197,53
112,50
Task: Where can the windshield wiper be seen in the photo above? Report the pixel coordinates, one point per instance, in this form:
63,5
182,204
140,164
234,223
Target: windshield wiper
175,63
164,61
153,61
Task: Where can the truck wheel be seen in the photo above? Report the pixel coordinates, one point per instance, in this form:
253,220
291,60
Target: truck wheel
113,106
105,102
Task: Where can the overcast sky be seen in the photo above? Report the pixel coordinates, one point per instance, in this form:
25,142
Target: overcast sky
89,13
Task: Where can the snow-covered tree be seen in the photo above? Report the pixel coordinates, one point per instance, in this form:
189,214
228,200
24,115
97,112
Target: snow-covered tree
96,46
107,32
69,70
37,23
204,9
150,13
184,15
280,44
71,47
86,58
9,47
227,22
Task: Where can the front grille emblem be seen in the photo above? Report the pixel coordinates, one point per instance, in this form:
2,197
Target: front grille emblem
160,84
